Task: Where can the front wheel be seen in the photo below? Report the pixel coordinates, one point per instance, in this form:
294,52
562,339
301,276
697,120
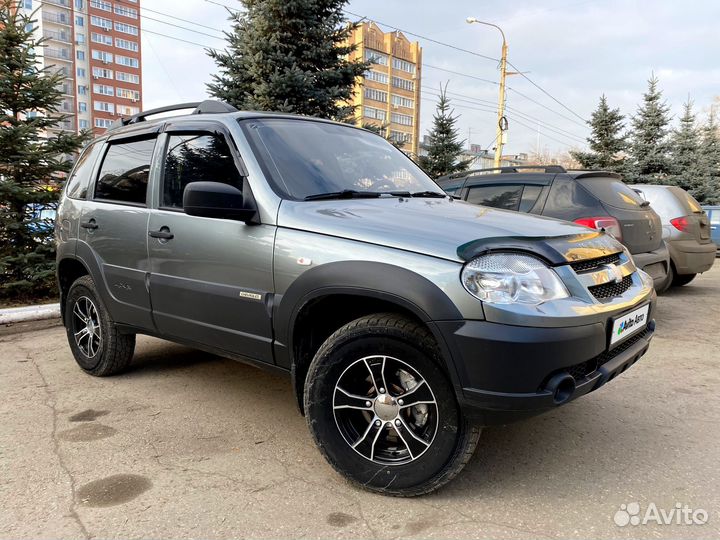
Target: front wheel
383,412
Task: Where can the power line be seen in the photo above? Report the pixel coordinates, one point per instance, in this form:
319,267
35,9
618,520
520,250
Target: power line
143,8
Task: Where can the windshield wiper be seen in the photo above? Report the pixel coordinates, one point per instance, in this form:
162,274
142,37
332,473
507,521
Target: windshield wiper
429,194
354,194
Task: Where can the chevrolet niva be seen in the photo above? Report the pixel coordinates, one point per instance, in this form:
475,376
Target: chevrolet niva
405,319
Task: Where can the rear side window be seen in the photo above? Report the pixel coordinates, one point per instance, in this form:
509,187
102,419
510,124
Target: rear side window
688,201
125,171
198,157
77,184
612,191
505,196
529,197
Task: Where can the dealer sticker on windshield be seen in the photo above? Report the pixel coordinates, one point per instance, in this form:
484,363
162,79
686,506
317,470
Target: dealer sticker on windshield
627,325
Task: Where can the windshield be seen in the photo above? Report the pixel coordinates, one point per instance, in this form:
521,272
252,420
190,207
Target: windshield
305,158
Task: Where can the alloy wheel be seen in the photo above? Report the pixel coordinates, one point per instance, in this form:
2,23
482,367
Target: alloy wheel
86,326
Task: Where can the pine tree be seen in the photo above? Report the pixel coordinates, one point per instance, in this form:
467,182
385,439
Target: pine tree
686,164
607,142
710,156
649,162
288,56
31,160
444,148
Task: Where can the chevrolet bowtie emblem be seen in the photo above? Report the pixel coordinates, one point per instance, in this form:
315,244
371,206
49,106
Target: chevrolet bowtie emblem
615,272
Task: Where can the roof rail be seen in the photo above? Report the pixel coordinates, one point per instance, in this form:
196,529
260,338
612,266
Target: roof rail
512,169
209,106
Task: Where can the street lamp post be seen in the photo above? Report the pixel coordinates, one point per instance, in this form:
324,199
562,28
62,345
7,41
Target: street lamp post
501,120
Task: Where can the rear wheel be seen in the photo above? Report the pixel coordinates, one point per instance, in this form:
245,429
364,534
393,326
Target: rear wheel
683,279
383,412
97,345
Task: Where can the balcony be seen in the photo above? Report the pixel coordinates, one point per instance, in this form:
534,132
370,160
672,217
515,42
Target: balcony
61,54
61,3
56,36
56,18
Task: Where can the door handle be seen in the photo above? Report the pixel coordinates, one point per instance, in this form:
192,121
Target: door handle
90,224
162,234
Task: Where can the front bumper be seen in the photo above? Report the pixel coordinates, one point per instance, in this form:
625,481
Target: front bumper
655,263
506,372
691,257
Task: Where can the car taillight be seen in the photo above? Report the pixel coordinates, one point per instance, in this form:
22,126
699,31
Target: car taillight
609,224
680,223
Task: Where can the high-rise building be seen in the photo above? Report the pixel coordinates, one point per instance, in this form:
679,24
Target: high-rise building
389,94
96,45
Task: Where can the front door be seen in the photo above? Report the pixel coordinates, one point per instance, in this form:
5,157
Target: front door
211,279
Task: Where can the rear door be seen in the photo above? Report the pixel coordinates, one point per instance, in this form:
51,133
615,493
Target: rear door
641,227
211,279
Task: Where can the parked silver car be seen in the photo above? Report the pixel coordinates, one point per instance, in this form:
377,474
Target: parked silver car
686,230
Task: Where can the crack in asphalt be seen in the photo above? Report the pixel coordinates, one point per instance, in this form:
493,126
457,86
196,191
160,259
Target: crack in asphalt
50,403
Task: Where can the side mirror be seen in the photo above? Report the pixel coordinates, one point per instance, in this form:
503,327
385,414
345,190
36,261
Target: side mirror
217,200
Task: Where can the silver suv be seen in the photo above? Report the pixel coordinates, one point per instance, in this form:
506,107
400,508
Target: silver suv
405,319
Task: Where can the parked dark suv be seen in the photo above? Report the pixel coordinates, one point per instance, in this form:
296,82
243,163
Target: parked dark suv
596,199
404,318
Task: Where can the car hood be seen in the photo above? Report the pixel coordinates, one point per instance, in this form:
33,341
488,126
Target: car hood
445,228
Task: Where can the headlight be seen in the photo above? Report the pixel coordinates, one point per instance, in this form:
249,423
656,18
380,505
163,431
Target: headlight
509,278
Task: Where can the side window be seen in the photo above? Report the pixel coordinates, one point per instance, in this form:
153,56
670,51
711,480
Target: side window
529,197
77,184
505,196
125,171
568,200
196,157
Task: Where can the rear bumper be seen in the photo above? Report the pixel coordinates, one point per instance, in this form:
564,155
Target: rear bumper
691,257
507,373
656,263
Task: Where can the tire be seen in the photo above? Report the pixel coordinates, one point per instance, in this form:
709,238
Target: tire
101,350
683,279
387,350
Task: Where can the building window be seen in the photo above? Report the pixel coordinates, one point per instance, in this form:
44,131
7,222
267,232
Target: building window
103,123
101,38
127,61
27,4
402,119
80,55
376,95
104,106
82,90
79,38
101,22
81,73
126,11
127,77
403,65
128,94
103,56
400,101
82,106
83,124
377,77
125,110
375,114
101,4
126,28
104,89
400,136
79,4
405,84
376,57
126,44
102,73
79,21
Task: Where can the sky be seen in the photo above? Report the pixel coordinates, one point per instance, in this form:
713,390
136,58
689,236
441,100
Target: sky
574,51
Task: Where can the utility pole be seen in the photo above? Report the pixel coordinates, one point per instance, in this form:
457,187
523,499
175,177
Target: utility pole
502,126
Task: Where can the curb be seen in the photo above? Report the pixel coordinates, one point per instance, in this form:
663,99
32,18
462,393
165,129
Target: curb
29,313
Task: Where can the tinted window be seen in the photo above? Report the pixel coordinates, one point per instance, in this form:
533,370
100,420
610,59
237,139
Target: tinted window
307,158
197,157
568,200
79,179
529,197
688,201
125,170
503,196
612,191
451,186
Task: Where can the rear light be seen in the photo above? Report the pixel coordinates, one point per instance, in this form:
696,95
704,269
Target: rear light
680,223
609,224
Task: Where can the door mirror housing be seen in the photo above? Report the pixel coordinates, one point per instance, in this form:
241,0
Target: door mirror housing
217,200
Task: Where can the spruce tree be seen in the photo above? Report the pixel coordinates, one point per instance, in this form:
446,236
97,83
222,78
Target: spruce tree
686,164
288,56
607,141
32,159
445,147
710,155
648,152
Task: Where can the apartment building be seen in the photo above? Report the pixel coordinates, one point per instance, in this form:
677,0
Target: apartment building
389,94
96,45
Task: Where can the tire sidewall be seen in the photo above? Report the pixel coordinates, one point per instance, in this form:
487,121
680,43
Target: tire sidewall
325,371
84,287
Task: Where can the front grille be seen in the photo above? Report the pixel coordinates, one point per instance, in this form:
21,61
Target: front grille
592,264
609,290
583,369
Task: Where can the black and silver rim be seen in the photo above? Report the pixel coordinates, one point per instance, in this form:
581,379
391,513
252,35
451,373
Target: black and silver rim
385,410
86,327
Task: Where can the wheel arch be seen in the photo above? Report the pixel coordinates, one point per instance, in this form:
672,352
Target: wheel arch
69,269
